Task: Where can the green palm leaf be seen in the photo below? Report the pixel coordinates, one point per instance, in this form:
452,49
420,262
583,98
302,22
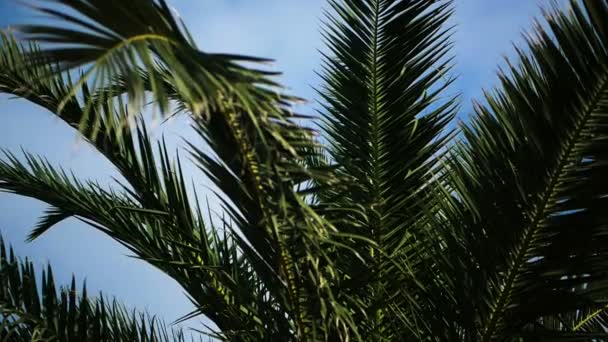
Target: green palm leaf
389,227
384,116
153,200
42,313
115,37
259,144
531,173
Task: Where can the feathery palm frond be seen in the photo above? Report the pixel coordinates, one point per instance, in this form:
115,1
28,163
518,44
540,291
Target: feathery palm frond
385,111
42,313
392,230
120,37
531,172
152,212
260,151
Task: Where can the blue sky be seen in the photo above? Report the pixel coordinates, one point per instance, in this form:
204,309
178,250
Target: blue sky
286,30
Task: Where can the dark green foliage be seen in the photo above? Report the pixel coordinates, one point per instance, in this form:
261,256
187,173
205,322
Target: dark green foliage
29,312
390,227
531,173
384,123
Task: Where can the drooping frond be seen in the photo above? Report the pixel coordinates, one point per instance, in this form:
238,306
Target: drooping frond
125,37
174,239
256,160
154,189
531,173
29,312
385,240
384,113
580,325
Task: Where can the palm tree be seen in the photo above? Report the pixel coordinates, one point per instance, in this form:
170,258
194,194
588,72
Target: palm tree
389,225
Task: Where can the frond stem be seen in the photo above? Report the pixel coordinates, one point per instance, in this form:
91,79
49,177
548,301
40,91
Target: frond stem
251,165
535,226
589,318
375,142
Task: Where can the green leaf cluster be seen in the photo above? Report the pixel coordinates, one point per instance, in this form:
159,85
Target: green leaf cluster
382,223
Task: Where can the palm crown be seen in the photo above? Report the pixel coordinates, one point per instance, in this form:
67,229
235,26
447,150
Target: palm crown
388,226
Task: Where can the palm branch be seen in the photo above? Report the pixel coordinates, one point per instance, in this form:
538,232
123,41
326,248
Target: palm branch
390,226
43,313
384,118
255,161
529,174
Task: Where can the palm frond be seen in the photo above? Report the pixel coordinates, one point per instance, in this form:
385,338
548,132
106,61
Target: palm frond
385,111
115,38
205,262
154,188
278,146
258,163
43,313
281,233
531,175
